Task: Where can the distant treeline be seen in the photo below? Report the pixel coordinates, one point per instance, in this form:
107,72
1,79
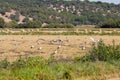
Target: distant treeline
37,24
32,24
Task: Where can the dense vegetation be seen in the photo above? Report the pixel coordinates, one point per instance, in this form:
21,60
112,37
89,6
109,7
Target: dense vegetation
59,26
102,62
2,23
110,24
32,24
103,52
59,11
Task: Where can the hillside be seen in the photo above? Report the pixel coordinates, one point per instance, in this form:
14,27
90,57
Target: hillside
60,11
8,17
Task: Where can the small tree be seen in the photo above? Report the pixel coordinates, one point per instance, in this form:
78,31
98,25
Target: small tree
26,19
11,24
2,22
15,17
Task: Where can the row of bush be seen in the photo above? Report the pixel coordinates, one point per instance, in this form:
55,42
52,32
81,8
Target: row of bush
110,24
59,26
32,24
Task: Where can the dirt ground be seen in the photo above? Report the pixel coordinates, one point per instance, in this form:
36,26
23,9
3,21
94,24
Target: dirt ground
14,46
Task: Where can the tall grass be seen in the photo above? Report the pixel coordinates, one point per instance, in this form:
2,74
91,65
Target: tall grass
102,62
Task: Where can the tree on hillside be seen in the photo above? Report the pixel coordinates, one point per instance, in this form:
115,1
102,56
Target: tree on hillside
15,17
26,19
2,22
11,24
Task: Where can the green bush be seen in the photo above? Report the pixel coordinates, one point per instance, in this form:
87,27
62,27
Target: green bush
103,52
30,24
44,76
18,64
59,26
15,17
2,22
110,24
4,63
11,24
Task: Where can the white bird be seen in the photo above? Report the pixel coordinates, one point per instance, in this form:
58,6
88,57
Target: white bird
32,46
39,48
83,47
94,41
55,51
59,47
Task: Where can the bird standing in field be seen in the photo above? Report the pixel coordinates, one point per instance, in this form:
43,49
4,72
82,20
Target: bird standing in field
94,42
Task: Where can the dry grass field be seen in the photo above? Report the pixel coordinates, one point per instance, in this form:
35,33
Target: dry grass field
14,46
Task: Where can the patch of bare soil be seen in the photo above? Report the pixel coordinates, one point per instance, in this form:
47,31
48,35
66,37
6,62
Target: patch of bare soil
7,15
21,17
5,18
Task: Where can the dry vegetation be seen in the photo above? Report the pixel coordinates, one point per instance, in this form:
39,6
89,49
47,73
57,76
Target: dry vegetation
62,31
14,46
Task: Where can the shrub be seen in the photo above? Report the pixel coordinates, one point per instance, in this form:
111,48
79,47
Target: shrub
15,17
44,76
4,63
11,24
30,24
2,22
66,74
59,26
26,19
110,24
2,11
103,52
20,63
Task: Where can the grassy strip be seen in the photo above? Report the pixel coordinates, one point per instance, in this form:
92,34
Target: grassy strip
39,69
57,33
60,31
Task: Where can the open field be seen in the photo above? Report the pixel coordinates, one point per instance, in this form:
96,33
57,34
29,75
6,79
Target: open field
19,58
59,51
14,46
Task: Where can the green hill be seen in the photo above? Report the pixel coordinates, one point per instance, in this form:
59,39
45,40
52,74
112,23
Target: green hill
60,11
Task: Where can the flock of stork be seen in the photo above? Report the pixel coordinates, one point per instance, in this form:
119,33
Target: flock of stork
58,40
61,42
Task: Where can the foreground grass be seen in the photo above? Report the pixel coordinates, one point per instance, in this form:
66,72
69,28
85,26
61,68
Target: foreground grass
102,63
37,68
